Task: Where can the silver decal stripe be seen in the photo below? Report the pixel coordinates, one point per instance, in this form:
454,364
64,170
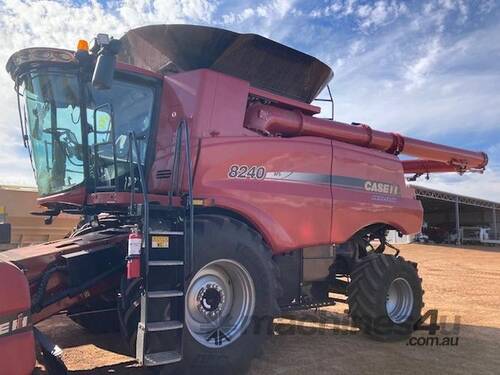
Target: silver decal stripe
316,178
336,180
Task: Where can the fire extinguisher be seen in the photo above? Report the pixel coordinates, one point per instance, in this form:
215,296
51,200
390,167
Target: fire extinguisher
134,254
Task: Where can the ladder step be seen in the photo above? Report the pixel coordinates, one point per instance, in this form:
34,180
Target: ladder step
165,233
166,263
165,294
161,358
163,326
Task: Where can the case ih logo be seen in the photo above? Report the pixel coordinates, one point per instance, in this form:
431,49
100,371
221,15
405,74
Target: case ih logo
381,187
10,325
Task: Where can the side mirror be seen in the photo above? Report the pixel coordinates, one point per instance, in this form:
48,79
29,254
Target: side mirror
106,50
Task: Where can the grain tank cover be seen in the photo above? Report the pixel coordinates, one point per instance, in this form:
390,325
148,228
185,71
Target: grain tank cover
264,63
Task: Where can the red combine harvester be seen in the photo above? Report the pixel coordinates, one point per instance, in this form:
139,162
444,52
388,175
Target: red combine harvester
212,199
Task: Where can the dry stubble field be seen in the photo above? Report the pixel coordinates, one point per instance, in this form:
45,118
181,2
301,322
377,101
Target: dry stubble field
461,283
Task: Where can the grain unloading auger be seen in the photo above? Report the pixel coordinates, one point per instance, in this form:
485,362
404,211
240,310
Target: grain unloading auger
211,199
432,157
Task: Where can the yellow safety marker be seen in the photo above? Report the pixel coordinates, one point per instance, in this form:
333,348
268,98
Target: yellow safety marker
160,242
198,202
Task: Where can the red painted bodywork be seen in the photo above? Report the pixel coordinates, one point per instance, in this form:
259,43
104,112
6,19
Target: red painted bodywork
35,260
289,215
18,347
326,200
228,123
74,197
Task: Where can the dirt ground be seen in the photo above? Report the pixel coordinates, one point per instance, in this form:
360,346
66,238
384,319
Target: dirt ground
463,284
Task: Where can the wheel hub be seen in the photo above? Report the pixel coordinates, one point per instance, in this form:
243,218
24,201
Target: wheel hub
220,301
399,300
211,299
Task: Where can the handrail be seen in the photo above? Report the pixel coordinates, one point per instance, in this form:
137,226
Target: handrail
328,100
113,141
189,200
130,158
183,130
145,222
176,163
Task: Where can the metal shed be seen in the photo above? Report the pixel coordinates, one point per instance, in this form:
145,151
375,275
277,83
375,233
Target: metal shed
447,213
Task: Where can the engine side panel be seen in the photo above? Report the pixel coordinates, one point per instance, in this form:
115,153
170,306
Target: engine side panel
249,175
212,104
313,191
369,187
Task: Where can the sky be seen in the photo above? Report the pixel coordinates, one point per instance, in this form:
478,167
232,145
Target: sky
427,69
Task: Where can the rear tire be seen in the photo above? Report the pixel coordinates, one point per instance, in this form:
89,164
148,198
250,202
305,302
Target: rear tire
385,297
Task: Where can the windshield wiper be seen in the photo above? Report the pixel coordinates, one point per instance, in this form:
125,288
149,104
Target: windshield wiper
23,124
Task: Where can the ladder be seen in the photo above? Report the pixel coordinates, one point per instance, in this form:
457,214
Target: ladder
166,264
159,333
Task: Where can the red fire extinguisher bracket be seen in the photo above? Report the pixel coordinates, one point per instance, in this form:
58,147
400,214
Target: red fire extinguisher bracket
134,254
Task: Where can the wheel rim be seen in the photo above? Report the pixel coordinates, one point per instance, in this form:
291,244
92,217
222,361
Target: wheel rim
399,300
220,302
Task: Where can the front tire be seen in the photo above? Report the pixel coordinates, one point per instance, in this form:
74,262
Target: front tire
221,239
385,297
232,265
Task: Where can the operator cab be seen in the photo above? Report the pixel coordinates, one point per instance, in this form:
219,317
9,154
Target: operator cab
79,115
79,134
